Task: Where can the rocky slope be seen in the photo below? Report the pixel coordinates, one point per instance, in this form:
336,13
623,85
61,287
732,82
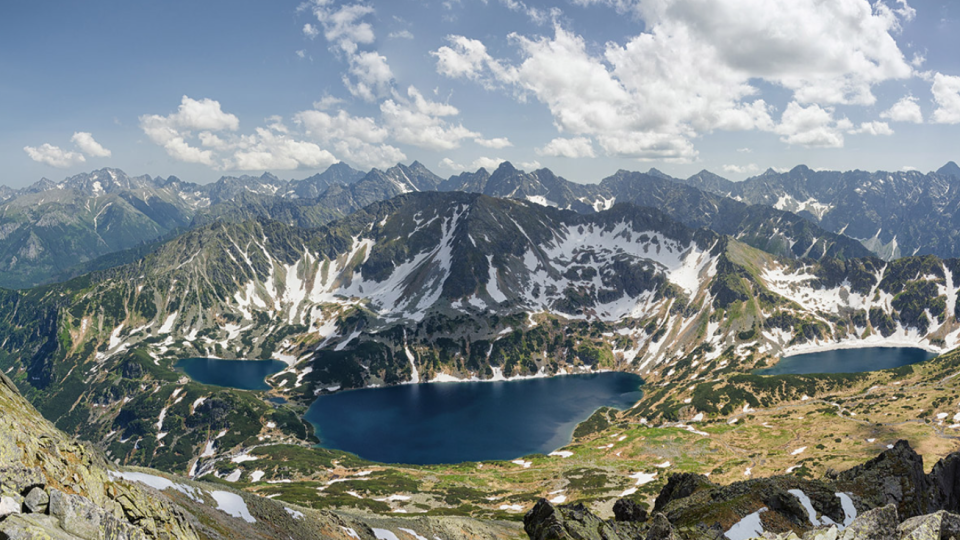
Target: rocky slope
55,487
887,497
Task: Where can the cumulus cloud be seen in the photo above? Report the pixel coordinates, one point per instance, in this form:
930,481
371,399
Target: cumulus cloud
741,169
694,70
577,147
173,131
905,110
530,165
400,34
270,149
369,75
201,132
872,128
372,77
811,127
420,122
355,138
490,164
86,143
946,92
496,143
310,31
53,156
448,163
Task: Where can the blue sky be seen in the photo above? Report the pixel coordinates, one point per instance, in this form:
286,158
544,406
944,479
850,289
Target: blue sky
584,87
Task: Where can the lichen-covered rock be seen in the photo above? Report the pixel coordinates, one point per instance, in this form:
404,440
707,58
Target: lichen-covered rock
936,526
78,515
574,522
877,524
627,510
9,506
37,501
661,529
33,527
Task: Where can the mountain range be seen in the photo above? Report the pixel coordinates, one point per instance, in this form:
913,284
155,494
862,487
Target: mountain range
434,286
53,231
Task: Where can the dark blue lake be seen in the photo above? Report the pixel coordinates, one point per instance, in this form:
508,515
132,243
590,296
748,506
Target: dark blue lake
242,374
472,421
848,361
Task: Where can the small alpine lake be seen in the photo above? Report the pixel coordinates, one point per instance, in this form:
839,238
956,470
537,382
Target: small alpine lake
240,374
435,423
848,361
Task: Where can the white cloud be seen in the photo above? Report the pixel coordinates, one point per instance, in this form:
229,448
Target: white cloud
872,128
468,58
327,102
86,143
530,165
811,127
741,169
496,143
578,147
744,150
448,163
694,69
53,156
356,139
372,73
420,122
946,92
301,53
172,131
400,34
905,110
310,31
490,164
268,149
345,30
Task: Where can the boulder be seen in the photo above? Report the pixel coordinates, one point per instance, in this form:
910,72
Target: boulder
573,522
939,525
33,526
37,501
9,506
661,529
627,510
877,524
18,479
680,486
78,516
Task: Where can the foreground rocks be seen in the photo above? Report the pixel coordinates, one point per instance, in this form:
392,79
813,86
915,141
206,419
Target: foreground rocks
886,498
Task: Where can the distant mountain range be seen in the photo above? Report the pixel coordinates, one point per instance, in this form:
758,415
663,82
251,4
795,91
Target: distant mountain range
894,214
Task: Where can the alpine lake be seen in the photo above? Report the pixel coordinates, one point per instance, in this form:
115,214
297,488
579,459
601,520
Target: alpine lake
434,423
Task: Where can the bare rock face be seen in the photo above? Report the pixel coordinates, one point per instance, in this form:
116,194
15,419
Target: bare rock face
575,522
877,524
894,477
627,510
939,525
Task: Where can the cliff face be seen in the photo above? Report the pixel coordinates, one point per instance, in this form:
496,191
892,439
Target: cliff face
61,489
